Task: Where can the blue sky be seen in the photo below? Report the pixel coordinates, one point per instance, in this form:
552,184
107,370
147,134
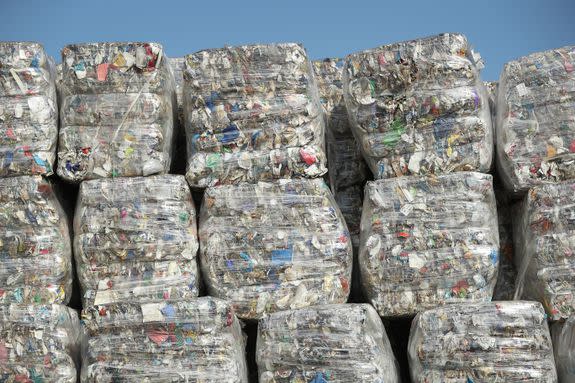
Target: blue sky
499,30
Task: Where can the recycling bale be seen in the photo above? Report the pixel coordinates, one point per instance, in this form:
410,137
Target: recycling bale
546,246
252,113
117,111
428,241
274,246
563,334
331,343
35,249
135,239
418,107
536,120
28,110
192,340
482,342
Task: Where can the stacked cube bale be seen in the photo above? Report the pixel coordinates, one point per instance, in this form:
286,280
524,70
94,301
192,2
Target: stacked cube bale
563,334
28,110
136,240
545,244
274,246
419,107
332,343
35,251
194,340
38,343
428,241
536,119
252,113
482,342
116,111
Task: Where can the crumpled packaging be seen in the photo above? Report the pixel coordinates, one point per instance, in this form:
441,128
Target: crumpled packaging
428,241
38,343
418,107
536,119
192,340
545,242
252,113
135,239
35,250
563,334
116,111
482,342
331,343
274,246
28,110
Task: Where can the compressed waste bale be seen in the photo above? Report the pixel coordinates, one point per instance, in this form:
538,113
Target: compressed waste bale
482,342
419,107
38,343
35,250
192,340
428,241
28,110
563,334
330,343
507,276
536,119
135,239
252,113
116,111
274,246
546,242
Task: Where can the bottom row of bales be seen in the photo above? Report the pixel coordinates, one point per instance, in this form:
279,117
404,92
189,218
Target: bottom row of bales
201,340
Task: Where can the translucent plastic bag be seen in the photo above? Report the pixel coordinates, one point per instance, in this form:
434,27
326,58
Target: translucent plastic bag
482,342
428,241
274,246
252,113
334,343
536,119
117,111
35,250
418,107
135,239
28,110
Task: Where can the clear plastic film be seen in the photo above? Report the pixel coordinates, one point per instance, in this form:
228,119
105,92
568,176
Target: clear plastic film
545,242
482,342
536,119
35,250
252,113
428,241
563,334
38,343
116,111
192,341
28,110
135,239
274,246
418,107
338,343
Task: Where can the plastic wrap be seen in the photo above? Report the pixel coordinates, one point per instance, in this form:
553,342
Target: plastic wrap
563,334
482,342
28,110
334,343
418,107
196,340
38,343
546,243
428,241
135,239
35,251
116,111
536,119
274,246
252,113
